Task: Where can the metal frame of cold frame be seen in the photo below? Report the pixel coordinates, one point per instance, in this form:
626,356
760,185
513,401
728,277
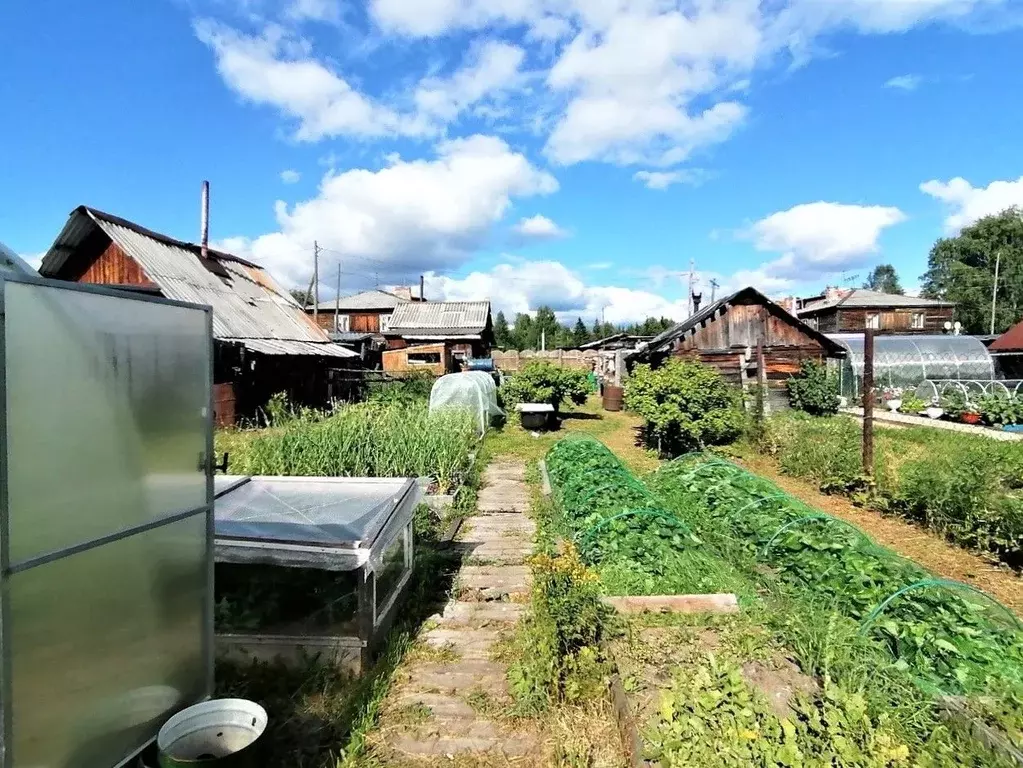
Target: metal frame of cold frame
7,568
372,620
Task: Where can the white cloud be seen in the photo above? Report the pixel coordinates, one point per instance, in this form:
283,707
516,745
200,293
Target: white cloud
538,228
969,203
276,69
904,82
404,218
493,68
523,286
314,10
819,238
432,18
600,265
664,179
290,176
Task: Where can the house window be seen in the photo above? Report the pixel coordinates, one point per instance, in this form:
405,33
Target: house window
385,323
874,321
918,320
424,358
343,323
812,322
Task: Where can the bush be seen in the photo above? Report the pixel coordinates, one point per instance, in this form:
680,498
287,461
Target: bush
412,387
543,382
1000,409
685,405
813,389
560,640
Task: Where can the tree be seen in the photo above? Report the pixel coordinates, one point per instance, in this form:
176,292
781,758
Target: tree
884,279
302,297
502,333
522,331
545,326
597,328
579,334
961,269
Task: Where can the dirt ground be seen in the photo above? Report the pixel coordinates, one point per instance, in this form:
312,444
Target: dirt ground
927,549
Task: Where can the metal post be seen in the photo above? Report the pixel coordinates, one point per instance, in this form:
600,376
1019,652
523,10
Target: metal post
316,282
868,402
994,291
337,301
204,223
6,687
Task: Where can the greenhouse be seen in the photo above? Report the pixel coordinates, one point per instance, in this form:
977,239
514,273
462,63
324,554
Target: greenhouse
908,361
473,390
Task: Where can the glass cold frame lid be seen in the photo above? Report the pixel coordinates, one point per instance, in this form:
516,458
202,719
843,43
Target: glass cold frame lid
343,512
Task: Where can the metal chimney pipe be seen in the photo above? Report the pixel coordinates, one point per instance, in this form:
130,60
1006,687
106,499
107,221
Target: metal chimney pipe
205,236
422,288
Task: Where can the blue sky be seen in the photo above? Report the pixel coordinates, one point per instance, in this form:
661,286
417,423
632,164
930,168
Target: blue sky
571,152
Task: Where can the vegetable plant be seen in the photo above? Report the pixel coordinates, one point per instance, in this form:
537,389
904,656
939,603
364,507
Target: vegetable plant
813,389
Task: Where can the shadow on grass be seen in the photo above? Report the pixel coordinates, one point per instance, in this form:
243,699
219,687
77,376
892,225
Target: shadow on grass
320,715
581,415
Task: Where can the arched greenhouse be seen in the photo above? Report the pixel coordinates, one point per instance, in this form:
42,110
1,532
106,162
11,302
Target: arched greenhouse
908,361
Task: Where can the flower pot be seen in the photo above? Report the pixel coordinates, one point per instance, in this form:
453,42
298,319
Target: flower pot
970,418
934,412
893,405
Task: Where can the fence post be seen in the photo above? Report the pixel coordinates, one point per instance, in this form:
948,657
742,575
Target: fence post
868,403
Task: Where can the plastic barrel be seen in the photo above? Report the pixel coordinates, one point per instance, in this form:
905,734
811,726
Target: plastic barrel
613,397
221,733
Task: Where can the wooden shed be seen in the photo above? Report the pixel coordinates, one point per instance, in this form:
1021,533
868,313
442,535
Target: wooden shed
727,334
435,358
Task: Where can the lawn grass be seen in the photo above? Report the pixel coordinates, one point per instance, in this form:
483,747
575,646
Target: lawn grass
619,431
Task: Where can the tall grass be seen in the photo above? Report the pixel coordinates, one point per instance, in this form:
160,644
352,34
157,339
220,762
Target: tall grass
376,439
966,487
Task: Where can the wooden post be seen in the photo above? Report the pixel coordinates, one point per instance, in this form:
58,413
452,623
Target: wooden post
867,395
619,364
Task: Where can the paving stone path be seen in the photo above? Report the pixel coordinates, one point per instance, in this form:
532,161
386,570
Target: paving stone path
448,701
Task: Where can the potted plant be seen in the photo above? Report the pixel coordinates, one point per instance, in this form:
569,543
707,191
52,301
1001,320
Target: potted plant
934,410
892,398
970,416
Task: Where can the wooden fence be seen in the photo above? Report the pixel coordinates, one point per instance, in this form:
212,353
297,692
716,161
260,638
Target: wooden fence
512,360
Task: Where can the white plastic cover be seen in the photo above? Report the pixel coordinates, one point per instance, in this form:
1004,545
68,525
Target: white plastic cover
331,523
474,390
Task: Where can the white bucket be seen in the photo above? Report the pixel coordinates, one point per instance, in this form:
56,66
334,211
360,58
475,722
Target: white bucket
211,731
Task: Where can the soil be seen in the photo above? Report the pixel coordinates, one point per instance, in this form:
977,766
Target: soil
909,540
779,683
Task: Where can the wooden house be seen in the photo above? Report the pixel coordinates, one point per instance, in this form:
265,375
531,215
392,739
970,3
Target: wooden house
464,328
264,341
727,334
365,312
855,310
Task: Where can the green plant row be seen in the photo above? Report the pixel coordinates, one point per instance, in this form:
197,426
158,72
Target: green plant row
374,439
965,487
952,639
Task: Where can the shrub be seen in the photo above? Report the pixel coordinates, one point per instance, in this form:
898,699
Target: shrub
543,382
413,387
813,389
1000,409
560,640
685,406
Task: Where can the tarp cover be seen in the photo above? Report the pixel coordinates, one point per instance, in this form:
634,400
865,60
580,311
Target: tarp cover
474,390
335,523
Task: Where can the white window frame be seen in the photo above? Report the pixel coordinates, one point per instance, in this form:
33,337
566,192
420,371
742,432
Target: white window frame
344,323
385,322
918,321
873,321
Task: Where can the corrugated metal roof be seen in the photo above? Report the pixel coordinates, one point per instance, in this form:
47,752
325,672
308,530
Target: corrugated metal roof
247,303
861,298
299,348
440,318
364,300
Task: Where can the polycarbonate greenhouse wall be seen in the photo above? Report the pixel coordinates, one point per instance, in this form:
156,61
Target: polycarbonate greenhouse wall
106,523
906,361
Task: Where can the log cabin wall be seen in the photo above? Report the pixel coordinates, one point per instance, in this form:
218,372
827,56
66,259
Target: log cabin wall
854,320
728,342
112,267
358,322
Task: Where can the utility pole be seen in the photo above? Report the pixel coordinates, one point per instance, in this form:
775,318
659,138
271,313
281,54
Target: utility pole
316,282
689,298
994,291
337,301
713,290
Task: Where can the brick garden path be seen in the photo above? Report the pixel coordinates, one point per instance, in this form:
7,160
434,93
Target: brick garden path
449,698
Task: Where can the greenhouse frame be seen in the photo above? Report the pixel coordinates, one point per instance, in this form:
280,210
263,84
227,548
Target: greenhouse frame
106,519
907,361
